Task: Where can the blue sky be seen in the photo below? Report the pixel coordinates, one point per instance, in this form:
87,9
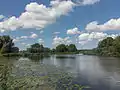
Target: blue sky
82,22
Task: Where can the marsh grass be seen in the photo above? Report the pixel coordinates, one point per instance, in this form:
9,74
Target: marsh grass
27,75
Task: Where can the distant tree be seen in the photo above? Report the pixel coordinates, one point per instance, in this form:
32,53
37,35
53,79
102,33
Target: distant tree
72,48
61,48
46,49
37,48
36,45
53,50
41,49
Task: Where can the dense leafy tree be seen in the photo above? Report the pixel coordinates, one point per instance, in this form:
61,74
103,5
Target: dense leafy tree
37,48
116,44
53,50
106,42
7,45
109,47
36,45
15,49
72,48
61,48
66,48
46,49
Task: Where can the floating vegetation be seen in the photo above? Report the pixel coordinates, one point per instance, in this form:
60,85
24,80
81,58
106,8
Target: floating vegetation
27,75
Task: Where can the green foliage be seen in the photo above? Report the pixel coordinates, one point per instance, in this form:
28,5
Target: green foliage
53,50
61,48
37,48
106,42
46,49
109,47
12,54
106,47
33,76
72,48
7,45
66,48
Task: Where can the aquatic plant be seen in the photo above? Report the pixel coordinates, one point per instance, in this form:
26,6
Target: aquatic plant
27,75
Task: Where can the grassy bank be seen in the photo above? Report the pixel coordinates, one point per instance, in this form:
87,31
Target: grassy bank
11,54
60,53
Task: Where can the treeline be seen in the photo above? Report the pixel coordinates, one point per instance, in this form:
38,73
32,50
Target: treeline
37,48
109,47
66,48
106,47
7,48
7,45
62,48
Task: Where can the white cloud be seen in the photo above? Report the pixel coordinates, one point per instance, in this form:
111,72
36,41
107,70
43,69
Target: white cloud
16,39
73,31
21,38
56,32
86,37
39,16
24,37
112,24
34,35
113,35
59,40
2,17
41,41
89,2
10,24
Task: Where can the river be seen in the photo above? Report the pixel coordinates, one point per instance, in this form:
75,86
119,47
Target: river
99,73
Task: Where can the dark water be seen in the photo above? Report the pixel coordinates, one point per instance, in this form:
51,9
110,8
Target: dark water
100,73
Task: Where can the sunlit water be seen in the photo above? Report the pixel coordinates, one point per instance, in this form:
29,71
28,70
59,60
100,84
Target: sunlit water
100,73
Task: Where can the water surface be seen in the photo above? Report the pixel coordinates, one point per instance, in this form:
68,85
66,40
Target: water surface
100,73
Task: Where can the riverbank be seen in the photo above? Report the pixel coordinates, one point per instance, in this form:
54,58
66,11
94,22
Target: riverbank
12,55
62,53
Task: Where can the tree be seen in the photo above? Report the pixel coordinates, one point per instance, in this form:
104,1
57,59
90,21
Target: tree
116,44
66,48
106,42
72,48
53,50
6,44
36,45
37,48
109,47
46,49
15,50
61,48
